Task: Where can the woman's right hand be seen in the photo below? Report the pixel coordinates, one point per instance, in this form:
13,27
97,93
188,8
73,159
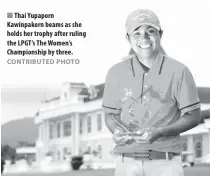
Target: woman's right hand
120,137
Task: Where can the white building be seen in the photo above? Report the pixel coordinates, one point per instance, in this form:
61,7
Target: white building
197,140
73,124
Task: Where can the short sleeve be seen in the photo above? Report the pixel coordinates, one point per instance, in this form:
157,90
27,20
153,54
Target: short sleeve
186,92
111,102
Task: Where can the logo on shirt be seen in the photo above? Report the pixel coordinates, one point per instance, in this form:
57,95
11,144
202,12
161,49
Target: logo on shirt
155,93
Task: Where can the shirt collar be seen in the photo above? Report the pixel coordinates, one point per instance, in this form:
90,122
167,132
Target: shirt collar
137,68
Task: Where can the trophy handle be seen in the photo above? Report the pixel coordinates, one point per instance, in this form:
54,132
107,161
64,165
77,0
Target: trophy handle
120,123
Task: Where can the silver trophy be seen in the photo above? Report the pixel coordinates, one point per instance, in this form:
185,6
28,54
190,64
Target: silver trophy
133,116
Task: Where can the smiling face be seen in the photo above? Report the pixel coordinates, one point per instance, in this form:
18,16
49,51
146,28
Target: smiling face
145,41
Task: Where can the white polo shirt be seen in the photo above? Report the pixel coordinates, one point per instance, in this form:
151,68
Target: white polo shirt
154,97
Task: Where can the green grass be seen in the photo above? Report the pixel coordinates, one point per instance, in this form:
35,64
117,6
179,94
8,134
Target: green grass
194,171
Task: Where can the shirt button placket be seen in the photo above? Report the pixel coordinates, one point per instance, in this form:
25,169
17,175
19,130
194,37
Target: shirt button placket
144,87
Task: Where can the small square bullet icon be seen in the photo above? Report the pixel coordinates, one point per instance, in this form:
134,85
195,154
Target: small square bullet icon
9,15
